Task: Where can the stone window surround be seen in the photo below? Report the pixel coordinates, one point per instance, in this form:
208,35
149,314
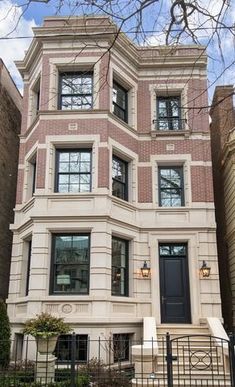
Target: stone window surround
168,89
171,161
78,63
191,239
25,279
73,141
28,176
36,77
119,76
130,157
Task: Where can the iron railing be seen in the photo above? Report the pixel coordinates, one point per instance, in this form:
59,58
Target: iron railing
187,361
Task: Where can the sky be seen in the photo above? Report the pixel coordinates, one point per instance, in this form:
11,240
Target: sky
17,21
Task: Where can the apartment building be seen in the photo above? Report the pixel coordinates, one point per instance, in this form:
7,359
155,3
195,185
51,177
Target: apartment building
114,219
10,120
222,141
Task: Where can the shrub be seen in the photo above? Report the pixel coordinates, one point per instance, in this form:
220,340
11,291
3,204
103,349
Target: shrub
46,325
5,335
100,375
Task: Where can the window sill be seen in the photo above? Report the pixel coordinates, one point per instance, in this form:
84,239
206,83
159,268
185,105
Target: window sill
160,133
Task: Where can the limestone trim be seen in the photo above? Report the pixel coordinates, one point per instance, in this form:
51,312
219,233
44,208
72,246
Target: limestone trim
168,89
132,158
183,160
192,241
118,75
72,141
67,64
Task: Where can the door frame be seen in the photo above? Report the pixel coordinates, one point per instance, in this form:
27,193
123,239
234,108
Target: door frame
188,314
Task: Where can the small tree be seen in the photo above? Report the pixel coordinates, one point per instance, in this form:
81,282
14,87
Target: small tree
5,335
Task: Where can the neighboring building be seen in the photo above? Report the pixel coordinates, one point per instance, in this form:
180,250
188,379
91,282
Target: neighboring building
114,170
222,141
10,120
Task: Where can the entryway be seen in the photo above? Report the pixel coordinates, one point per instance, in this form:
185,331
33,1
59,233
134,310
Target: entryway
174,283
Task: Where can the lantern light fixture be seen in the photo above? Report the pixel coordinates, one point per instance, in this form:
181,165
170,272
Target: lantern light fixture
205,270
145,270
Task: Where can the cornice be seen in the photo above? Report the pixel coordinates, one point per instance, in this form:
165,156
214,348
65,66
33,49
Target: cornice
140,56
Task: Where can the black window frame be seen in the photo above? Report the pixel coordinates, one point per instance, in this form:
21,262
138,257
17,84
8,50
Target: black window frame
116,271
118,87
57,173
34,167
169,118
79,339
78,74
53,271
117,181
121,344
29,255
181,188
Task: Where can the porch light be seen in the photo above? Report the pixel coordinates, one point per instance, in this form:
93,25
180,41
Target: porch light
145,270
205,270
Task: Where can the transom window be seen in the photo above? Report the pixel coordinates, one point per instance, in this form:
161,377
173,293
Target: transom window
70,264
119,267
173,249
168,113
120,98
76,91
121,347
63,350
120,178
171,187
73,170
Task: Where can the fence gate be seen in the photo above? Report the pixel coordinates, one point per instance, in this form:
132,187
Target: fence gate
200,361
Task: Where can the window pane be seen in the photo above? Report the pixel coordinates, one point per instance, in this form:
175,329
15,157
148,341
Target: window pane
71,264
74,171
120,102
171,186
168,109
63,349
121,347
119,267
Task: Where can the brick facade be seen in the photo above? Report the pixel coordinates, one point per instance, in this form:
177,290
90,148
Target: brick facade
134,215
10,118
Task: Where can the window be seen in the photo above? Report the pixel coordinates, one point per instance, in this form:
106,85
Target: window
171,187
168,112
63,350
121,347
76,91
70,264
119,267
120,98
120,178
28,266
73,170
18,346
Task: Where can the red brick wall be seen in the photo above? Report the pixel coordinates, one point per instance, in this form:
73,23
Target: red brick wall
145,185
103,168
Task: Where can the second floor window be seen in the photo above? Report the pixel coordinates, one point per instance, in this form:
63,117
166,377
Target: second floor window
171,187
73,170
119,267
75,91
168,113
120,178
70,264
120,97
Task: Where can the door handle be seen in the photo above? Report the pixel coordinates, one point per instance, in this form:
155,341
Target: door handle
163,299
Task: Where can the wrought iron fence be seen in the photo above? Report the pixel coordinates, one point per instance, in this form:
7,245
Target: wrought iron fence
77,361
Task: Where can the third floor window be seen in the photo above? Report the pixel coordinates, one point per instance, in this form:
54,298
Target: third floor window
168,113
120,97
73,170
75,91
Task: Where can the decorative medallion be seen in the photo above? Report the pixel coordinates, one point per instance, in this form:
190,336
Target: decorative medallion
67,308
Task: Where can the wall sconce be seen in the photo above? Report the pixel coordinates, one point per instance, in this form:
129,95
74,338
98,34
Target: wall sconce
145,270
205,270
